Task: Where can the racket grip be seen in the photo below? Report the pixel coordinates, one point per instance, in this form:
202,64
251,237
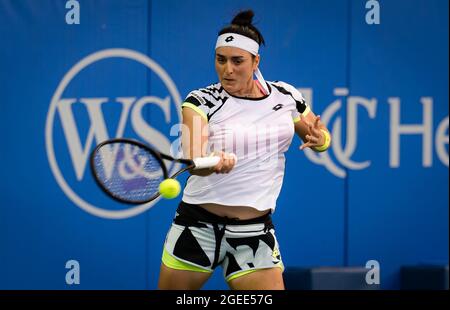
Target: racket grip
208,162
205,162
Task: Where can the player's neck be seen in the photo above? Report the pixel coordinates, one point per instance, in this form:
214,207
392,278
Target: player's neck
250,91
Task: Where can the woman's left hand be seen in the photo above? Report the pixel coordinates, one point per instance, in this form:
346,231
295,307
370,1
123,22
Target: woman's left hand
315,137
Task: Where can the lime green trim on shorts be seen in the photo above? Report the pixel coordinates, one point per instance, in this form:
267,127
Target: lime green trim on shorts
175,263
296,119
245,272
240,274
195,108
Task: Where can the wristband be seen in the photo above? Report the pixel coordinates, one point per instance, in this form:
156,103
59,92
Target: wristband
325,146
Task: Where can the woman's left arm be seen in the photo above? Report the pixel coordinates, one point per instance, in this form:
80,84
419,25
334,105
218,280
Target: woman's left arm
313,132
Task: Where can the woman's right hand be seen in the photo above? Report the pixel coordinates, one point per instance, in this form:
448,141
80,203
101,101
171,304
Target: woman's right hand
226,163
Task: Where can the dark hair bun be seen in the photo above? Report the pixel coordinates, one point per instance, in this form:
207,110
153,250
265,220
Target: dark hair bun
243,18
242,24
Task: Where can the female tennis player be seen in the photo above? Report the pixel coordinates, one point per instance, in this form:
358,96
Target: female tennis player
224,218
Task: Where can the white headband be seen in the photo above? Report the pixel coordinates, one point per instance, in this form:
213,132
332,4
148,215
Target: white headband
239,41
247,44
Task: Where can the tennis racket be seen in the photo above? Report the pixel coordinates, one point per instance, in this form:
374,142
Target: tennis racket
130,171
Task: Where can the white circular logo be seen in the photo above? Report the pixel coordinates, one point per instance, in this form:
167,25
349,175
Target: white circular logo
57,98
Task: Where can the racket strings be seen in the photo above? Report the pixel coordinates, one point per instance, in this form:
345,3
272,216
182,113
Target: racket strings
128,172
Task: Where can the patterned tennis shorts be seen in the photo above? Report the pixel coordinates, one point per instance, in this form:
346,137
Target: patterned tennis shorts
199,240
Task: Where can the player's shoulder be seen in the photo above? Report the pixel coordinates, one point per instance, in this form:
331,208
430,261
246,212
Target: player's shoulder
279,83
283,87
216,87
212,89
207,100
287,89
210,95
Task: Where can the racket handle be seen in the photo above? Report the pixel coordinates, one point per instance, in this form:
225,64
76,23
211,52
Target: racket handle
208,162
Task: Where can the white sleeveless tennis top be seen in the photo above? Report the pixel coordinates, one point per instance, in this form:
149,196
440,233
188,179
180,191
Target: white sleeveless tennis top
259,131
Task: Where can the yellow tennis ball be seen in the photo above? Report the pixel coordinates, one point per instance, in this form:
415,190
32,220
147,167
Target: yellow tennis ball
169,188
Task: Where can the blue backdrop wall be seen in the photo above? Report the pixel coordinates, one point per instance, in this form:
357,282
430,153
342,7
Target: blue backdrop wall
380,193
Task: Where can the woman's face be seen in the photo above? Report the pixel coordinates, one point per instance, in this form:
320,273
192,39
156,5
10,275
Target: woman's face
235,69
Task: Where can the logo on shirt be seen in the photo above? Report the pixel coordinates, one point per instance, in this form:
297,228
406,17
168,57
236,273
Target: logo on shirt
277,107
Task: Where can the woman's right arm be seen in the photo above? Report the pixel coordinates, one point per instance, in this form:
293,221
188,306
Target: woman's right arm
194,141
